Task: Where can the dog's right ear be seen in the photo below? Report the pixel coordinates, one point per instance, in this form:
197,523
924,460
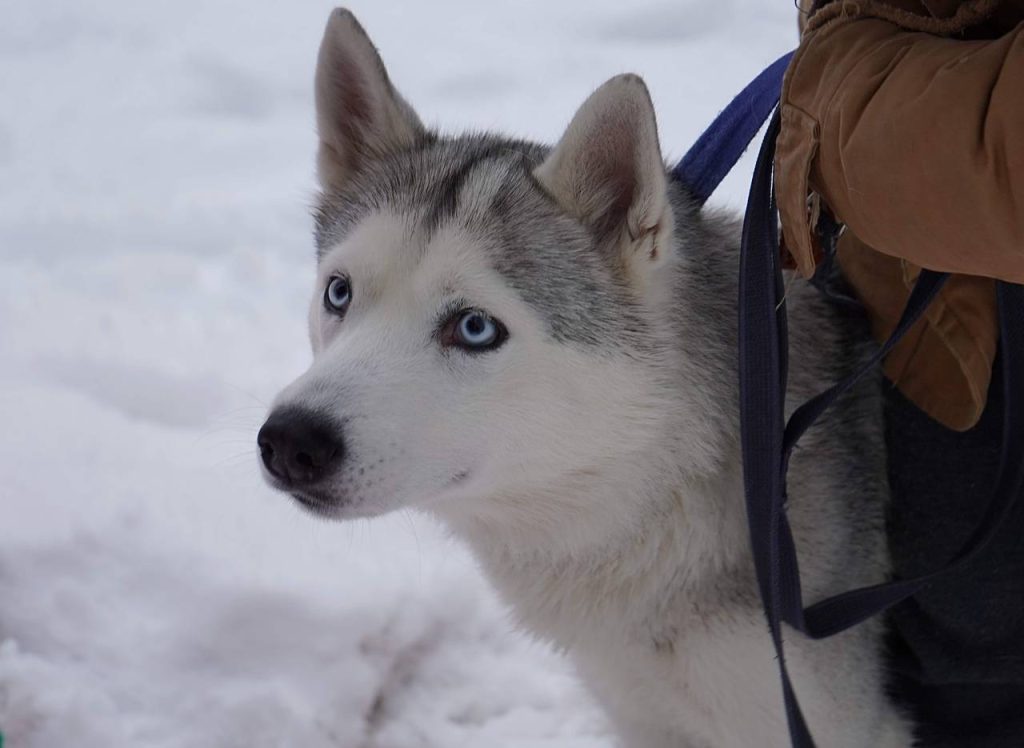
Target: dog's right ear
359,115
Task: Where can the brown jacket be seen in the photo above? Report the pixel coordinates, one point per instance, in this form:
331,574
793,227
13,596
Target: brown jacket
906,118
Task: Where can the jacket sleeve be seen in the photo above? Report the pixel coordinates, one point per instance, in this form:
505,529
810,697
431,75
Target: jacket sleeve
915,141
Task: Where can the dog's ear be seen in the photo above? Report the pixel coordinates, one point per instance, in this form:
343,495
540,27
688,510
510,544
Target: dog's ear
608,173
359,114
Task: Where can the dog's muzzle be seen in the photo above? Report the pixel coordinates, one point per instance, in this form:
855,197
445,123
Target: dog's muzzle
299,447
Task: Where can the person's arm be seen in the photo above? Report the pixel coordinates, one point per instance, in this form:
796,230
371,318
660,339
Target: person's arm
916,142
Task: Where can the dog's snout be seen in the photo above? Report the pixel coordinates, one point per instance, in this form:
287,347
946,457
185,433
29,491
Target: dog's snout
299,447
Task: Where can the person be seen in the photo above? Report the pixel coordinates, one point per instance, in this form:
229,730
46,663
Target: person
904,119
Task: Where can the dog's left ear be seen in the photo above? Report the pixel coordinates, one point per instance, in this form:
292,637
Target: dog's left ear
607,171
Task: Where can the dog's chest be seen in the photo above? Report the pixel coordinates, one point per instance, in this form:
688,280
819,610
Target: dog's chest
692,662
710,687
706,674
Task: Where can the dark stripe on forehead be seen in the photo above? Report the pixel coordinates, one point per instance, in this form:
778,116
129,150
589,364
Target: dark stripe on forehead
446,190
426,179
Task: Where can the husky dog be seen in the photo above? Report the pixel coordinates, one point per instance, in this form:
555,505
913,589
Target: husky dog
537,345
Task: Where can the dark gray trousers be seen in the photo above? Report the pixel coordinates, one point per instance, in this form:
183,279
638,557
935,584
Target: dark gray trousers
957,648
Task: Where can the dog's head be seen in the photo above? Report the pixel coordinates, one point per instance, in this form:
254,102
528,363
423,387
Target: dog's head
484,322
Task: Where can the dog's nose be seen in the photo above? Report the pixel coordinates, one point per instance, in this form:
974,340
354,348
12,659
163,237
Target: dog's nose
298,446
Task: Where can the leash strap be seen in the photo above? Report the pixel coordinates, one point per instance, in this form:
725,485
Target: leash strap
768,442
763,377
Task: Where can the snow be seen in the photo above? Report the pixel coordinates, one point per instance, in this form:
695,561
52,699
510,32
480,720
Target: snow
155,260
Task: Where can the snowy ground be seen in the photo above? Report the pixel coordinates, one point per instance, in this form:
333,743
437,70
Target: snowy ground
155,173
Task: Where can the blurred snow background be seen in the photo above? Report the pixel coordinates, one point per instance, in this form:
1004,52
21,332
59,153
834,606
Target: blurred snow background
155,259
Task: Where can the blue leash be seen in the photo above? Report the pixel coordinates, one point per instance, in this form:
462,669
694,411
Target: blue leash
768,440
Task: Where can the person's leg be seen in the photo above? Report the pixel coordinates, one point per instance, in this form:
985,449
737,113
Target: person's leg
958,646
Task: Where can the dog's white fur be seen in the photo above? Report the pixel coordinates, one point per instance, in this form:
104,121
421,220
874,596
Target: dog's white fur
599,489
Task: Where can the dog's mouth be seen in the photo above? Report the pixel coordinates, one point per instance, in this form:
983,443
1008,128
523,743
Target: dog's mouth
331,504
319,504
310,498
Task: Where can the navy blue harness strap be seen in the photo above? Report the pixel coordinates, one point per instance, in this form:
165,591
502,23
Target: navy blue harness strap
767,442
720,146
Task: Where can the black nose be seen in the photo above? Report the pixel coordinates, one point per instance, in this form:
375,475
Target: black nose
298,446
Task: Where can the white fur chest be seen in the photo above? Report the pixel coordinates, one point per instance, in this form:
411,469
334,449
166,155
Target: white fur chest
694,669
717,686
670,672
707,689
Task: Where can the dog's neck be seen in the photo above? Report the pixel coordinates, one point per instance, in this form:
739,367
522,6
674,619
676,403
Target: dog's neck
678,541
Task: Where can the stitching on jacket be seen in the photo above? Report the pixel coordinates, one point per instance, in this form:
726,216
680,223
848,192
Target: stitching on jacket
949,312
968,14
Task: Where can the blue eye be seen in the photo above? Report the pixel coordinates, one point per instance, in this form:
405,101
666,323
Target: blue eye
338,294
474,330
